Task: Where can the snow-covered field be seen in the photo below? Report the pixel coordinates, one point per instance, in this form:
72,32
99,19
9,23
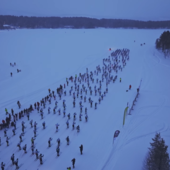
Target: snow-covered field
46,58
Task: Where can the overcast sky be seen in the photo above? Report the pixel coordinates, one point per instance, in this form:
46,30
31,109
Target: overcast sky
121,9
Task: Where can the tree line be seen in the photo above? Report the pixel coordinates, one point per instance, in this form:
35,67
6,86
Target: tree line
76,22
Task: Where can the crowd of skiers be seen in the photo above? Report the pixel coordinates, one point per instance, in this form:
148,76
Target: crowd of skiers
83,85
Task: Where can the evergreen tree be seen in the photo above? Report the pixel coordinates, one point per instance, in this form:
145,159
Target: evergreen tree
158,157
163,43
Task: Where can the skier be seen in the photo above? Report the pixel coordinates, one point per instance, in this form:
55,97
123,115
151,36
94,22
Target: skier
130,87
95,105
68,140
73,125
49,110
12,159
32,140
59,111
11,74
49,142
43,125
67,123
32,148
57,125
16,163
73,162
68,116
54,111
6,111
120,79
36,153
81,149
58,141
35,125
25,148
78,128
19,146
7,141
74,116
2,165
19,104
40,157
80,116
58,151
35,133
86,117
31,121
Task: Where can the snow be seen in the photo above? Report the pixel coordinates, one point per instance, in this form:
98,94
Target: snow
46,58
117,9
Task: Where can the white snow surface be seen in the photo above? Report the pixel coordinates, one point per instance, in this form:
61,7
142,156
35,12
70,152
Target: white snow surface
116,9
46,58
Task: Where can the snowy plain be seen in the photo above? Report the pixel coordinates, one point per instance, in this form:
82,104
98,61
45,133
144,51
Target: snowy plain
46,58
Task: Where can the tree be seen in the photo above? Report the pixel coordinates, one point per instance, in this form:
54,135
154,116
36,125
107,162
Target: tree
163,43
158,157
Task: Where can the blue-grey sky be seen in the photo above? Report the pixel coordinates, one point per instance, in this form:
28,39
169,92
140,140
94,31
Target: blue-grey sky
125,9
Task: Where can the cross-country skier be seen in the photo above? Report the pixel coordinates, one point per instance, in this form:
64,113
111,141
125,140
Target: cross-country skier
73,125
68,140
2,166
7,141
12,159
67,123
40,157
19,146
80,116
32,140
58,141
57,125
32,148
86,117
78,128
19,104
74,116
49,142
73,162
58,151
49,110
16,163
35,133
25,148
43,125
81,149
31,123
68,116
36,153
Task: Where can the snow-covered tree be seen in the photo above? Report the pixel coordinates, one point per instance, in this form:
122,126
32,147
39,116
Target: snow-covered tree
158,157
